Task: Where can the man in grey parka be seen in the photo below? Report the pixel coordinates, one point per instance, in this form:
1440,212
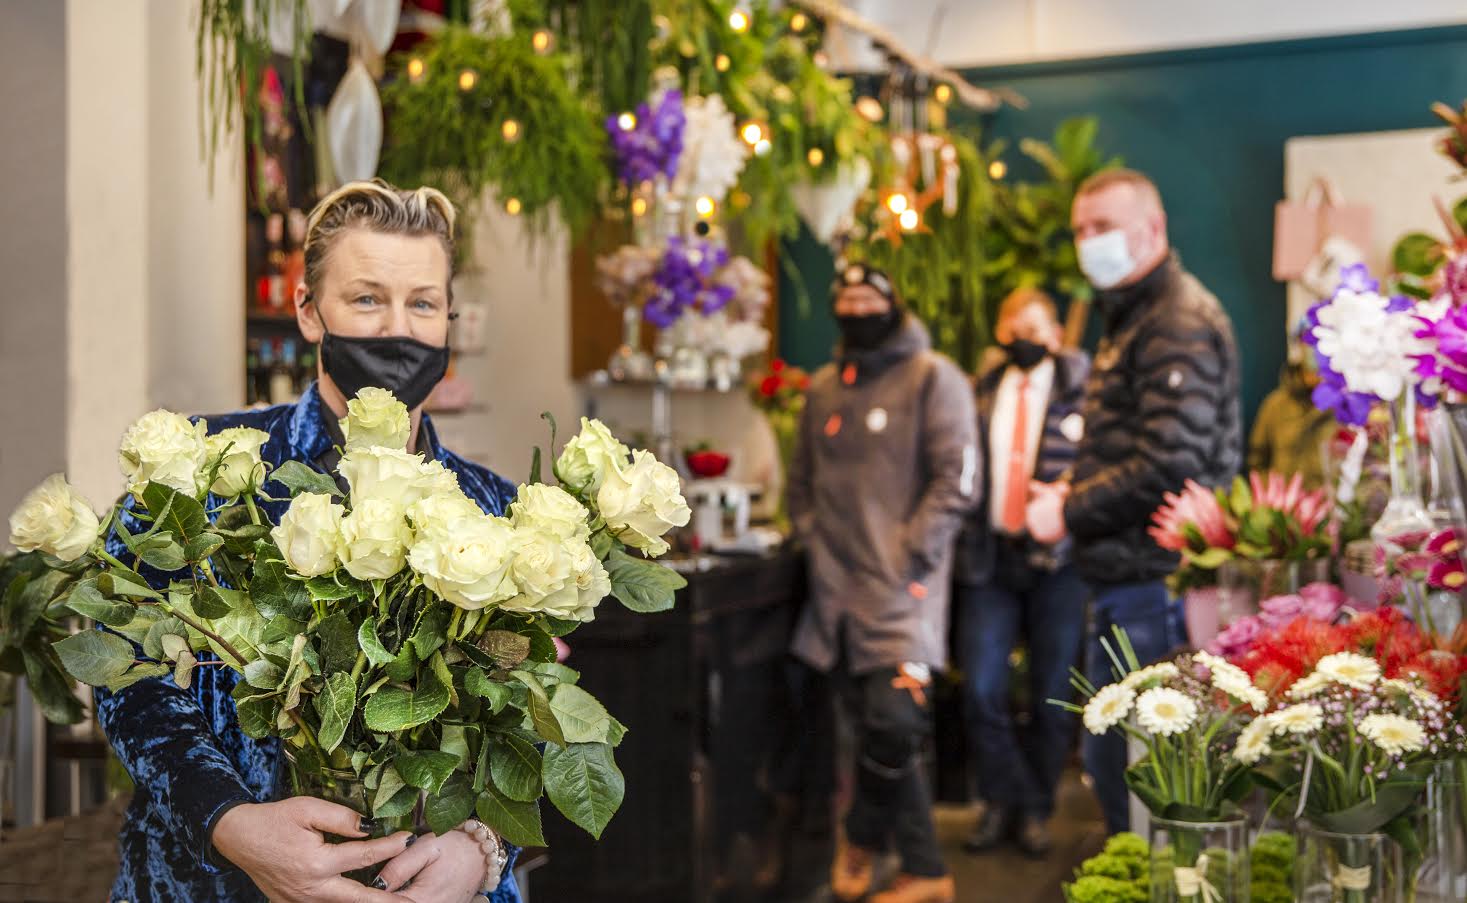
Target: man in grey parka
885,469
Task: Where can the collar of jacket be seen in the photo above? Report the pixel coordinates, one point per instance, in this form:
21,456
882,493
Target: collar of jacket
1120,304
910,339
311,429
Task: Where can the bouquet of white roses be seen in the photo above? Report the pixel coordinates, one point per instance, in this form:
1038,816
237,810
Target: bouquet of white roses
396,637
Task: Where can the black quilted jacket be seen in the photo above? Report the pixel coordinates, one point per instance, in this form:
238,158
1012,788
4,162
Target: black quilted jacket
1161,407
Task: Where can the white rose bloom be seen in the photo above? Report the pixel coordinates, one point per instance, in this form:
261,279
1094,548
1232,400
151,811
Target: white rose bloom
1108,707
1300,719
241,471
468,563
1349,669
1164,711
1394,734
375,418
641,502
163,447
55,519
440,511
1253,742
588,457
392,475
309,535
551,509
543,566
1158,672
374,539
577,601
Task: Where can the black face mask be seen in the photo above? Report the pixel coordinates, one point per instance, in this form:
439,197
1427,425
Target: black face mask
407,368
868,332
1026,354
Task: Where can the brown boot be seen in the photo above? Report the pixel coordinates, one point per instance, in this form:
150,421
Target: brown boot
771,847
912,889
850,876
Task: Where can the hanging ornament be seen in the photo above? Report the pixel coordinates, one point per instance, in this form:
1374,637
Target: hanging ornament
374,23
827,207
354,125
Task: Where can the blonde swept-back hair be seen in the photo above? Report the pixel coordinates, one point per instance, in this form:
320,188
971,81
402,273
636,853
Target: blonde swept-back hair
380,207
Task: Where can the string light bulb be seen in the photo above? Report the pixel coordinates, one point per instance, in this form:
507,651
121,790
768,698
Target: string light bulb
798,22
897,203
943,94
510,130
752,133
415,69
870,109
738,20
626,121
762,147
909,219
722,62
639,206
467,79
705,206
513,206
816,156
997,169
541,41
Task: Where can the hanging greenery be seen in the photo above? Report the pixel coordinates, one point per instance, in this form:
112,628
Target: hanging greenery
468,112
231,53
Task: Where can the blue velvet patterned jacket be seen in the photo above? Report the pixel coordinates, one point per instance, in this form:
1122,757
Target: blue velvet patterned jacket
184,748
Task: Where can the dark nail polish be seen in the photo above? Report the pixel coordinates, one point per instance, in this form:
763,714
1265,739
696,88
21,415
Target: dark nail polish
367,825
412,839
379,884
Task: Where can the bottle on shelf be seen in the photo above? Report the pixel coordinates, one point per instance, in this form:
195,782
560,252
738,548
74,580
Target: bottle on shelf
252,370
275,263
262,372
282,376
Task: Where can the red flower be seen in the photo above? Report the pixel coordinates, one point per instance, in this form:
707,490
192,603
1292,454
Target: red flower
1440,671
777,367
804,383
770,385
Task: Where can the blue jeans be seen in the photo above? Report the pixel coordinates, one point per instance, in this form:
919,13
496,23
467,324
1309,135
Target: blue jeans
1152,621
1048,615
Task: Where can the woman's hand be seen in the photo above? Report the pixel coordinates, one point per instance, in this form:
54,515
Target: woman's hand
447,868
279,845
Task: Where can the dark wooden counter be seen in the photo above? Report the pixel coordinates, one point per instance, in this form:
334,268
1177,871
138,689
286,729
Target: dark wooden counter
699,688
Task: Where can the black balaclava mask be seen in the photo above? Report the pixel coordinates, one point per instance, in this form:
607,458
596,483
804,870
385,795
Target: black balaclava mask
870,331
1025,354
404,366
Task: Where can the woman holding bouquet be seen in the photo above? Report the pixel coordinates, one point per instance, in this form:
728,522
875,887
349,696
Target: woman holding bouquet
202,826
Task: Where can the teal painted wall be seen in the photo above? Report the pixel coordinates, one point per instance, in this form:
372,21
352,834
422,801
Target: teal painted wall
1209,126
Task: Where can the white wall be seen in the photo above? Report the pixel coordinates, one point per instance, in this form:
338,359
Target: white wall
990,32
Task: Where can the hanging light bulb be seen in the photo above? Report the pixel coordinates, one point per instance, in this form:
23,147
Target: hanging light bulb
897,203
752,133
722,62
816,156
943,94
997,169
639,206
909,219
738,20
467,79
626,121
762,147
415,69
510,130
821,59
542,41
870,109
705,206
513,206
798,22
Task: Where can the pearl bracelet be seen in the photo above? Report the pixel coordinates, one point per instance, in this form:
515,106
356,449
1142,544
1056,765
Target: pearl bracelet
496,856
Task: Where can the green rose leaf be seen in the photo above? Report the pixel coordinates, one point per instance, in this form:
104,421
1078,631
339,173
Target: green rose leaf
394,709
335,704
557,672
616,733
202,546
275,593
328,589
86,600
432,630
426,769
162,552
263,674
281,628
297,478
583,782
477,683
404,666
642,586
137,673
174,512
515,766
506,648
516,822
95,657
581,717
367,641
256,716
452,805
338,643
49,684
125,583
217,602
602,544
541,714
558,626
183,671
542,647
401,803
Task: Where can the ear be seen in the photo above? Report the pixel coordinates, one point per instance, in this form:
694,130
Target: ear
308,315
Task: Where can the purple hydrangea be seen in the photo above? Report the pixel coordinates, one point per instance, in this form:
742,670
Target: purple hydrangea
686,280
653,146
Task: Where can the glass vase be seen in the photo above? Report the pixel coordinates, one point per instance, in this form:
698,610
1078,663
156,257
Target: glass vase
1347,868
343,787
1405,517
630,363
1199,862
1442,876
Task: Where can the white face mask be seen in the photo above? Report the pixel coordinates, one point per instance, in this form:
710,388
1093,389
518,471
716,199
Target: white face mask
1105,259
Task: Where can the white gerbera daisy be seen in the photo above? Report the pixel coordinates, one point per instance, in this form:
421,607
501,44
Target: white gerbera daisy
1309,686
1238,685
1108,707
1349,669
1414,690
1158,672
1393,733
1165,711
1299,720
1253,742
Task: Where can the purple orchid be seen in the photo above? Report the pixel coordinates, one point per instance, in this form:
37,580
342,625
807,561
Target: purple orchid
686,279
654,143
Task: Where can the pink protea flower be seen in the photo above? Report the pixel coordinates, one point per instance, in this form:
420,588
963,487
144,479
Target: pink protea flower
1195,505
1270,490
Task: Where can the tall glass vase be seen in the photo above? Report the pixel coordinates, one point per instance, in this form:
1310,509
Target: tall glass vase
343,787
1443,873
1199,862
1347,868
1405,519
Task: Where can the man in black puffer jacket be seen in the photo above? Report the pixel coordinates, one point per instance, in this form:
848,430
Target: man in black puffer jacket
1161,408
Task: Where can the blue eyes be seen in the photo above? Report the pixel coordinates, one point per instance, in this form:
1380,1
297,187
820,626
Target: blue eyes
421,304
